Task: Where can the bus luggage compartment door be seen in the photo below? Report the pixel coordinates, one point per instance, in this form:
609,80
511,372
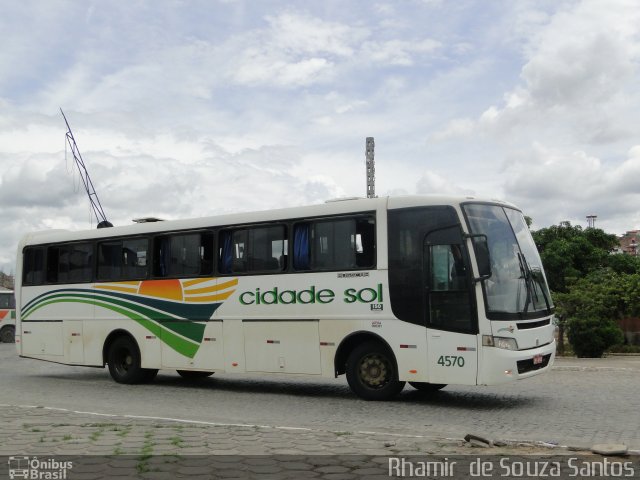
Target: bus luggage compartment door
282,346
73,346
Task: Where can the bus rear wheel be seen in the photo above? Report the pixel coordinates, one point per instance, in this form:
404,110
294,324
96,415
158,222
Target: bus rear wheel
193,374
8,334
124,363
427,387
371,372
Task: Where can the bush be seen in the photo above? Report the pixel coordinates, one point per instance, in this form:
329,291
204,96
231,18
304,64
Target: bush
590,336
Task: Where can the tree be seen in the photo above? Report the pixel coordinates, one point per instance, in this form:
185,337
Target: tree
593,305
571,252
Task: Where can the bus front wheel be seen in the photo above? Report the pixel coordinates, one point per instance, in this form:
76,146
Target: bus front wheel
371,372
125,363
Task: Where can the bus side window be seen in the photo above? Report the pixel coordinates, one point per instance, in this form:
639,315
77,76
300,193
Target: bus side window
80,262
334,244
134,258
123,260
301,250
109,260
225,257
365,241
5,300
53,258
187,254
33,272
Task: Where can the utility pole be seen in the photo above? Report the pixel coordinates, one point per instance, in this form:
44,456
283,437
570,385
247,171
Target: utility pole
371,168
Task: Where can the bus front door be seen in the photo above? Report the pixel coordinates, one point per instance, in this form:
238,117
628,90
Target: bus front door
451,323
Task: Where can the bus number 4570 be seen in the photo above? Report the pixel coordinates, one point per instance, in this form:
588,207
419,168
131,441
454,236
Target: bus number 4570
451,361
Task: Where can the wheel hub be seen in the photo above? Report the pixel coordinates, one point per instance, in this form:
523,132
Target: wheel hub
374,371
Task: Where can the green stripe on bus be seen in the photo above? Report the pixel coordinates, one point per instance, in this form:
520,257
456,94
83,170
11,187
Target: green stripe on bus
179,344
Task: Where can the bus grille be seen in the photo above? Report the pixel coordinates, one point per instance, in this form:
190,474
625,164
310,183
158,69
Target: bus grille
526,326
525,366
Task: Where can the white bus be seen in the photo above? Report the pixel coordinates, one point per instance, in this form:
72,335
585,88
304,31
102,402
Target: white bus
425,290
7,316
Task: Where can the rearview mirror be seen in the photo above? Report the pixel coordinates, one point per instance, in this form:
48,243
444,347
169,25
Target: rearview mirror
483,259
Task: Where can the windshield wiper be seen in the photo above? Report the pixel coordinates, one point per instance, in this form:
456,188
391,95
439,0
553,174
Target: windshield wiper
525,277
534,279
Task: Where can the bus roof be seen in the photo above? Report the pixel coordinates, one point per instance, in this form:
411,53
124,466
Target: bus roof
332,207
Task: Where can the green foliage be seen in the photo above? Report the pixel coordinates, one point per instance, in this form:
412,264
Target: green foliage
623,263
570,252
591,286
591,336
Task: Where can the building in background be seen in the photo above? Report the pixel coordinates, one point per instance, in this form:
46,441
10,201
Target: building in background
629,242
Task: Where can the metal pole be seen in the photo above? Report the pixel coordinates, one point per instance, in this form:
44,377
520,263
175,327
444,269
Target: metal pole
371,168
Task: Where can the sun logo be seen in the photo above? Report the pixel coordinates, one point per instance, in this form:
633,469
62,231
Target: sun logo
199,290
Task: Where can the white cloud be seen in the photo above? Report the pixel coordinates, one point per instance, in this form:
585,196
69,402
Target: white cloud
581,65
432,183
558,186
203,108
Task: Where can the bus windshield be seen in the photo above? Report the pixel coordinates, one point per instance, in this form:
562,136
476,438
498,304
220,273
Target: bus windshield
517,286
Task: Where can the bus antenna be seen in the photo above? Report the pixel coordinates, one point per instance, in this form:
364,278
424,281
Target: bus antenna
86,179
371,168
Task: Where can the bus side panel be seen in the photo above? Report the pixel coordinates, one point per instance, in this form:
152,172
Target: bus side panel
73,341
209,355
43,331
332,332
409,345
234,357
107,321
286,347
42,340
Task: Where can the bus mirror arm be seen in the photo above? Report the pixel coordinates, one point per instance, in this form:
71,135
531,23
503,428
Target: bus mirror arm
483,258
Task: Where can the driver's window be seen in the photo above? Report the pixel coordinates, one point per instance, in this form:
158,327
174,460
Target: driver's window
447,268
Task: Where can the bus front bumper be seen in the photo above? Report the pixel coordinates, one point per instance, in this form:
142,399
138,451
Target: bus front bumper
499,366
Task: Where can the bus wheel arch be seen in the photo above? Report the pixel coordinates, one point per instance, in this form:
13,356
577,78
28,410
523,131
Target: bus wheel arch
122,355
370,365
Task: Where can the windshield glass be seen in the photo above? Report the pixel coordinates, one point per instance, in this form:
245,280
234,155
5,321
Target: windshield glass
517,284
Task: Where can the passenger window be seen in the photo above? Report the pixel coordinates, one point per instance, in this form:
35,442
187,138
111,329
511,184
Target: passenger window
33,271
340,244
183,255
255,249
71,263
123,259
7,300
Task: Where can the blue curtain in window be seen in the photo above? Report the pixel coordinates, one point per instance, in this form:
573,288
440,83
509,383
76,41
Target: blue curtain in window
301,257
226,258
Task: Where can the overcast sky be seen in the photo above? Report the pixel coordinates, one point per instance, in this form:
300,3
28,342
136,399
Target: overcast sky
190,108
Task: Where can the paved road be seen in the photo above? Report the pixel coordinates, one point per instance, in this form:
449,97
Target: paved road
579,403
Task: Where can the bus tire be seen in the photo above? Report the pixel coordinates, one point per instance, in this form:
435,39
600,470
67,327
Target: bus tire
124,362
193,374
427,387
8,334
372,373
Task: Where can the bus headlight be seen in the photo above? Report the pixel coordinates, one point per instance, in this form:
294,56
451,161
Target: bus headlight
499,342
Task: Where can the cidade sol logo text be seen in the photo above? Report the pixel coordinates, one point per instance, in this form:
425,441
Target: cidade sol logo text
311,295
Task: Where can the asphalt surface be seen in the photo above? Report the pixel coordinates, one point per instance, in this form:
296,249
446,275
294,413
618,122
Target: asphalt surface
51,409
